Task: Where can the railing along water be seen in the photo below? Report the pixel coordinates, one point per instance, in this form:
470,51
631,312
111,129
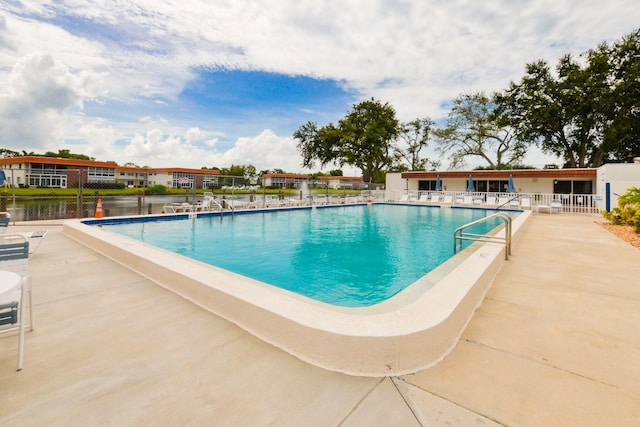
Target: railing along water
459,235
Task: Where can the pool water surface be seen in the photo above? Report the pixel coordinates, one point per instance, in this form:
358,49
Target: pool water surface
351,256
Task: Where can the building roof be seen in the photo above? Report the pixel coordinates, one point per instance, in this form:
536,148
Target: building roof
341,178
186,170
504,174
56,161
93,163
286,175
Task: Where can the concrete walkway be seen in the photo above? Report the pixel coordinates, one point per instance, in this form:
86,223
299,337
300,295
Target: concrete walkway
556,342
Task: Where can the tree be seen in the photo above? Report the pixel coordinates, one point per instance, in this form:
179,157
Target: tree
622,128
412,138
6,153
476,127
239,170
362,138
67,154
587,113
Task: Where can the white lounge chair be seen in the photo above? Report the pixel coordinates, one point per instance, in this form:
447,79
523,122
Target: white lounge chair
424,198
491,201
525,203
35,239
178,208
274,202
555,205
448,199
321,199
467,200
502,201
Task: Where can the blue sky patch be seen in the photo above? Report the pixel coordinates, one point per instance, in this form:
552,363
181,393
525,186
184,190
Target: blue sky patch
276,101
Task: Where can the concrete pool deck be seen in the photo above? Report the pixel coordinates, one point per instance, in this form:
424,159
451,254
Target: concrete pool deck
555,342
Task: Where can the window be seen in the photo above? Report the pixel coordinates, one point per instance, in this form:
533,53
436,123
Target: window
583,187
429,185
561,186
97,174
183,180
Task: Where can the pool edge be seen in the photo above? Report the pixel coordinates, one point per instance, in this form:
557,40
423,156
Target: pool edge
364,342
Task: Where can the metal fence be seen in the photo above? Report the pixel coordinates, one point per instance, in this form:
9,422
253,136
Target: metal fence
570,203
139,193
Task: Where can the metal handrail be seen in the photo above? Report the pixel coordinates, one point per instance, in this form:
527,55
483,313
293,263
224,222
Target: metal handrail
459,235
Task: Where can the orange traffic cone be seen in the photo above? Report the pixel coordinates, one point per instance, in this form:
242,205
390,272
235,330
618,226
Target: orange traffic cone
99,209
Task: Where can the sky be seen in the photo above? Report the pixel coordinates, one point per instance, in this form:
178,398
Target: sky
204,83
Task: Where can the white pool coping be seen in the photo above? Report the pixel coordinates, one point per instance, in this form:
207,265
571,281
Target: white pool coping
407,333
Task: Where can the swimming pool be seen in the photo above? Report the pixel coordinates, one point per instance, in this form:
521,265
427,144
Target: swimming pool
352,256
410,331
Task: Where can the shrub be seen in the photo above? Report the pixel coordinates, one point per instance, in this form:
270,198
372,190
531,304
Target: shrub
157,190
628,210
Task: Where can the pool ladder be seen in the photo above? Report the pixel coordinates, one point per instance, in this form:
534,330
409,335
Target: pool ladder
459,235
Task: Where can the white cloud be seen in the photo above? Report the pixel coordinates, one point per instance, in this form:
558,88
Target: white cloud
417,55
38,99
265,151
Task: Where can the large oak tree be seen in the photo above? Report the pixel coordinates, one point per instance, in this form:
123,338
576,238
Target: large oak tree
363,138
477,128
587,111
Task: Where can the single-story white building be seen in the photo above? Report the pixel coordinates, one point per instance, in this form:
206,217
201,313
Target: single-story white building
595,189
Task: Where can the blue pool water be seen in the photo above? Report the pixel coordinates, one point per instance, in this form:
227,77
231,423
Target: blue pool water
350,256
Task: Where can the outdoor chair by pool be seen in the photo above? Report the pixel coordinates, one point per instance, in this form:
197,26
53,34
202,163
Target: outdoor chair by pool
554,206
5,217
10,316
14,256
503,201
525,202
35,239
491,201
321,199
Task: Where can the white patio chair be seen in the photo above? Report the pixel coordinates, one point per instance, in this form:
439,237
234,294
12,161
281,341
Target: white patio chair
5,217
14,256
12,313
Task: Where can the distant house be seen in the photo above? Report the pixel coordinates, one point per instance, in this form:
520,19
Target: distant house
284,180
38,171
54,172
343,182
